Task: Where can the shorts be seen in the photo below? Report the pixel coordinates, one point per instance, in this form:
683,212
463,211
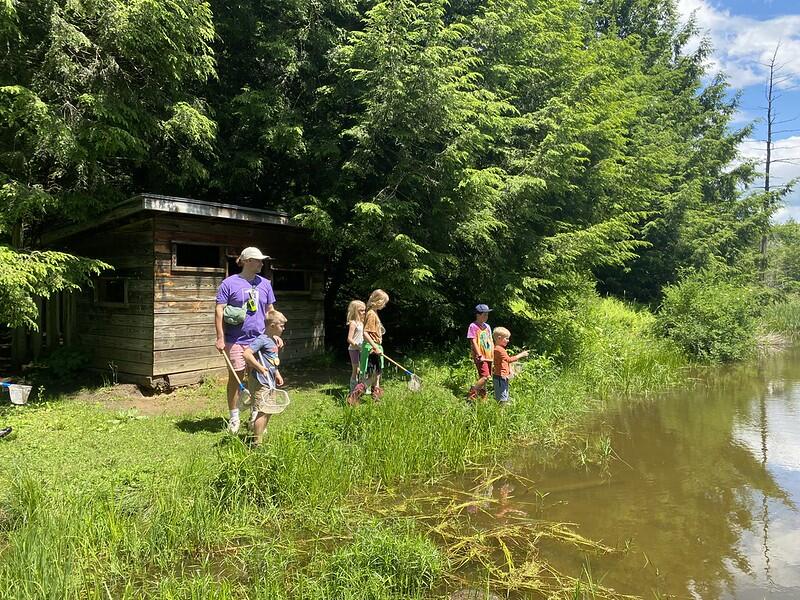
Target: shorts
236,353
500,388
484,368
355,356
371,363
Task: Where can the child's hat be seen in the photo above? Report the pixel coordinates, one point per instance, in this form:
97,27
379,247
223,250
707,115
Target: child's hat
482,308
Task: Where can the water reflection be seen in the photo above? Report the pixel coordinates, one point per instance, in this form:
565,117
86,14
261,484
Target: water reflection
704,495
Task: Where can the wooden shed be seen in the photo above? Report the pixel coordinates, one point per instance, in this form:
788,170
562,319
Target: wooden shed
151,320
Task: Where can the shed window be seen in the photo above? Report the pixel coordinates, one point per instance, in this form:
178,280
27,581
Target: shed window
109,290
285,280
197,256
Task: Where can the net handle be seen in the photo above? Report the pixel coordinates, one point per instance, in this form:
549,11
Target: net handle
402,368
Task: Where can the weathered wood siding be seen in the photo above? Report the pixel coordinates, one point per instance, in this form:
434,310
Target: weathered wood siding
119,337
183,301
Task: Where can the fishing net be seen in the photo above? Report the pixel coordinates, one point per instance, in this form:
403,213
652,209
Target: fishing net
516,368
415,383
270,401
245,397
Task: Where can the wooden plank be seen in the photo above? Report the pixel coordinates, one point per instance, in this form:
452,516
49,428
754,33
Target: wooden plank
145,284
70,314
109,316
185,364
121,239
53,321
289,247
122,377
187,282
126,343
183,330
19,346
184,318
205,350
128,262
201,356
104,329
186,295
170,342
115,353
184,306
126,209
207,318
123,366
190,377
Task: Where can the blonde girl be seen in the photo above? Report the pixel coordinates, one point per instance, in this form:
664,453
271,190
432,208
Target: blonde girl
371,365
356,311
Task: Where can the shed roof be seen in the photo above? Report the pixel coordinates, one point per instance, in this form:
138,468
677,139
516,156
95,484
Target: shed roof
175,205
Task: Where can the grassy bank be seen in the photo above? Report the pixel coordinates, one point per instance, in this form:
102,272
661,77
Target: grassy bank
102,503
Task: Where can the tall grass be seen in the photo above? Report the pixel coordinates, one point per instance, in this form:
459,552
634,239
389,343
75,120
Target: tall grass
276,522
783,317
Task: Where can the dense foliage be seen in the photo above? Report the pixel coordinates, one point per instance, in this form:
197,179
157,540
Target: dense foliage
514,152
711,318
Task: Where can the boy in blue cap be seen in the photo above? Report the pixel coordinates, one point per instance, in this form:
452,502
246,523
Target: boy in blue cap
481,346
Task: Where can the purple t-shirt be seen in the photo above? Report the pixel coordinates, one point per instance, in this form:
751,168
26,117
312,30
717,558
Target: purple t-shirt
236,291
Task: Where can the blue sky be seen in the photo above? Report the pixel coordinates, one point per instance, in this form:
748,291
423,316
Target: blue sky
744,34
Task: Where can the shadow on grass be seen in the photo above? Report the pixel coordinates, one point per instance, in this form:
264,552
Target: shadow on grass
337,393
202,425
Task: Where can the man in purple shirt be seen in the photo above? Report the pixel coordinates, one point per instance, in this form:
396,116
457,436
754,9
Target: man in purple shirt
250,290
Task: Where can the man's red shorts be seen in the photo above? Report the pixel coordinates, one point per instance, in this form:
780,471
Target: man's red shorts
484,368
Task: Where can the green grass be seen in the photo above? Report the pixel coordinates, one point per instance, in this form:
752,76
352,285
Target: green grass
783,317
107,504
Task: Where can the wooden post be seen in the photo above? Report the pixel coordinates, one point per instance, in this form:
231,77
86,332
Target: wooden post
68,326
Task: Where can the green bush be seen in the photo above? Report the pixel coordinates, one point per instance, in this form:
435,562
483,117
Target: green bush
712,319
65,362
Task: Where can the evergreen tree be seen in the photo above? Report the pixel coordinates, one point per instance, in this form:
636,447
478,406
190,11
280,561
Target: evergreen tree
95,101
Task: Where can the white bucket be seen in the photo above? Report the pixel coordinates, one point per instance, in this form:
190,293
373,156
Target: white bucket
19,393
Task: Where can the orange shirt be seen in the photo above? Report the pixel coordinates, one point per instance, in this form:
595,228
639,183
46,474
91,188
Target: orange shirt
501,362
373,326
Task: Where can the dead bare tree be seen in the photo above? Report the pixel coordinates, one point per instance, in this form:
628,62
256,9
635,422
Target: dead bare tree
777,83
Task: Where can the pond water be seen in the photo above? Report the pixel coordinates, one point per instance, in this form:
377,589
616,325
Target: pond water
699,487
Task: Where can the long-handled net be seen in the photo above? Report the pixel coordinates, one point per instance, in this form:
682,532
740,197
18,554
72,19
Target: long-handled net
517,368
414,382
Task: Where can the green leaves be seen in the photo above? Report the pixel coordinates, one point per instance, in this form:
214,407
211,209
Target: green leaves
25,276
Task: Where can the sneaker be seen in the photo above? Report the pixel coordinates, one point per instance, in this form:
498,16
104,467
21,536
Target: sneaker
355,396
5,432
233,426
473,394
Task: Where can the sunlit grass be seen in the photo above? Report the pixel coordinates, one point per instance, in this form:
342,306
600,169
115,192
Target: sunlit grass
99,503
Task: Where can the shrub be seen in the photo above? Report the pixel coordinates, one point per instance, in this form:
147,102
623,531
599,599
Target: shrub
65,361
712,319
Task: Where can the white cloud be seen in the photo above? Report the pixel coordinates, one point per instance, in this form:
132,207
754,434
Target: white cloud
781,173
742,44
